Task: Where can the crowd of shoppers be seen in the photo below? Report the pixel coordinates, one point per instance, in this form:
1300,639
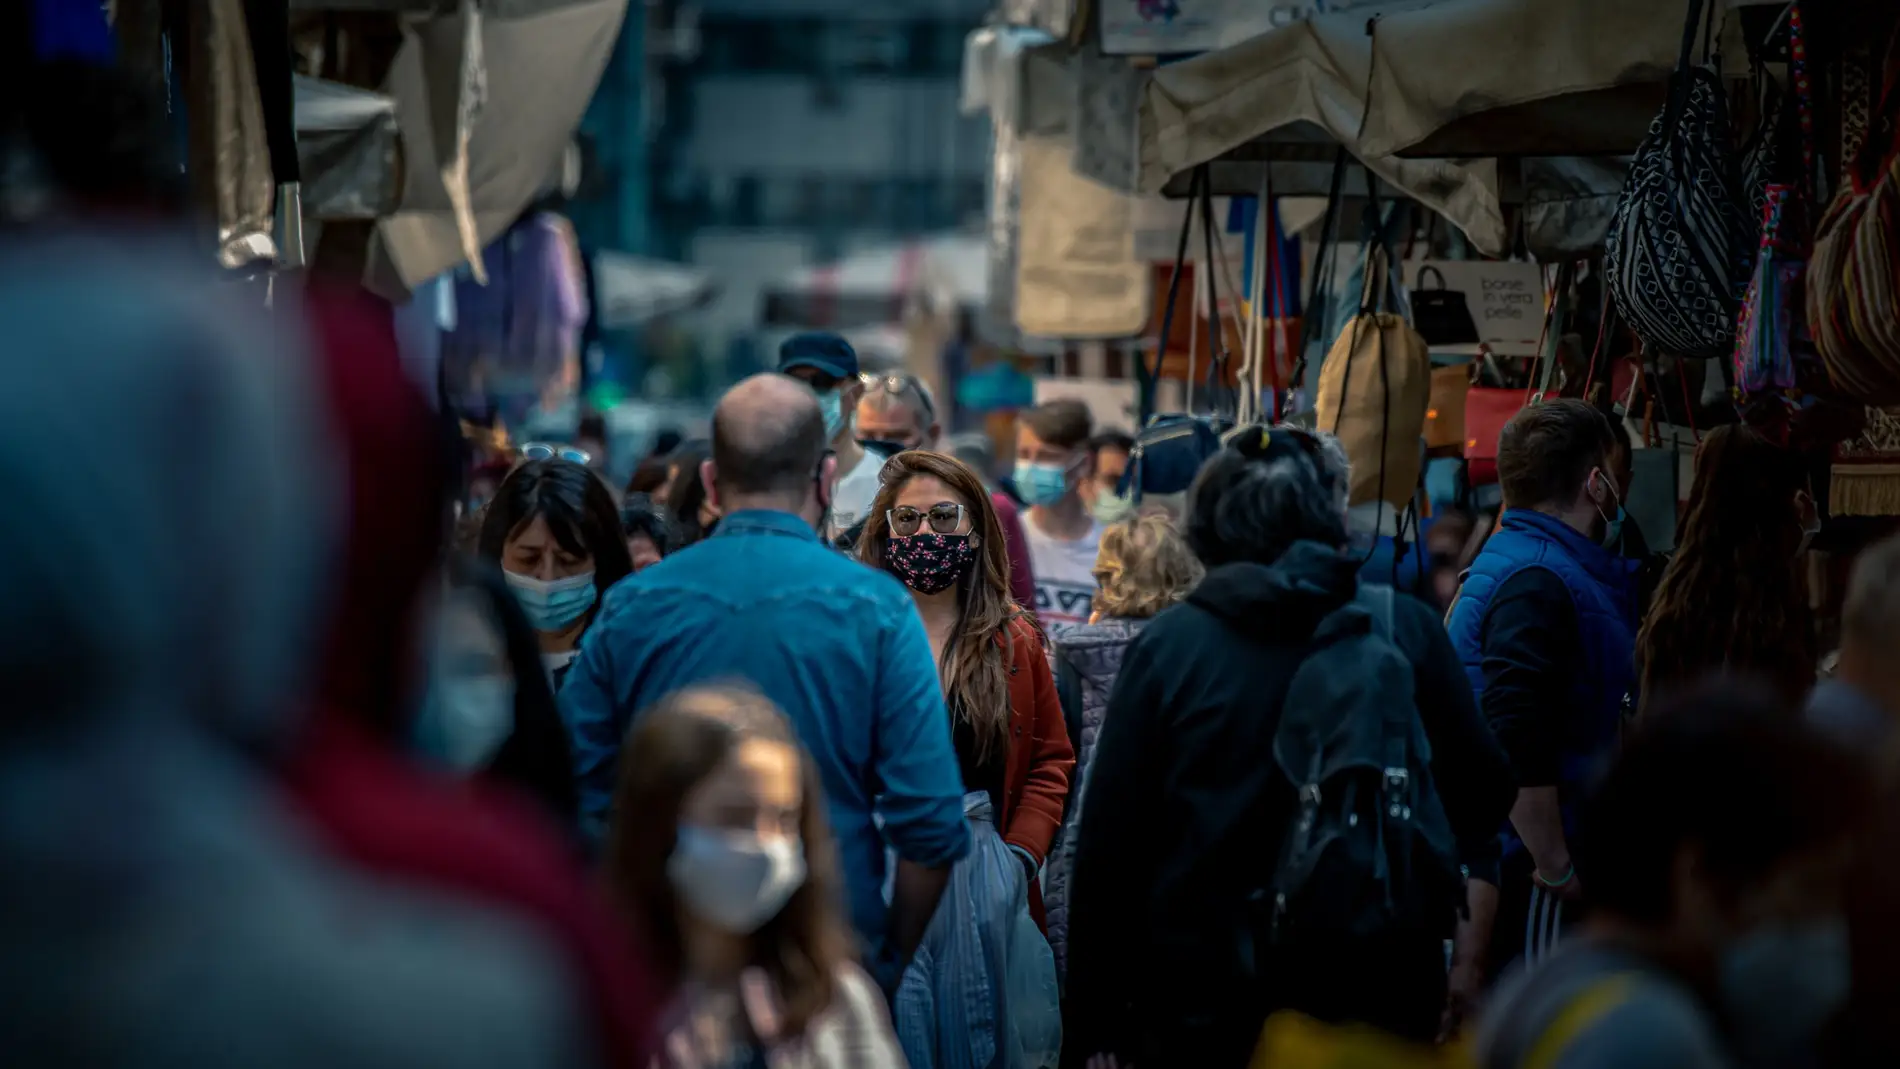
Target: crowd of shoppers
836,759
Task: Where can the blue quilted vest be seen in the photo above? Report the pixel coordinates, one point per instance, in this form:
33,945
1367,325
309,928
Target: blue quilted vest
1602,587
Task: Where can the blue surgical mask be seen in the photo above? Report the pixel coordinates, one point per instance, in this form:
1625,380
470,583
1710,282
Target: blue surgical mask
1613,532
552,605
1041,484
831,403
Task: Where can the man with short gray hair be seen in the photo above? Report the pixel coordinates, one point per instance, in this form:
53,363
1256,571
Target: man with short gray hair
839,647
1859,706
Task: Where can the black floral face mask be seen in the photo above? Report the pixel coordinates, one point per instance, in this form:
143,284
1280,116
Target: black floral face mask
927,562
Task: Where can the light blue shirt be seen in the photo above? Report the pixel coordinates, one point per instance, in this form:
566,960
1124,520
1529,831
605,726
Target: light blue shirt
837,645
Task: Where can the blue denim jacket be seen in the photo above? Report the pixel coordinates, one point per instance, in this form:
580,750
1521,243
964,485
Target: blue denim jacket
837,645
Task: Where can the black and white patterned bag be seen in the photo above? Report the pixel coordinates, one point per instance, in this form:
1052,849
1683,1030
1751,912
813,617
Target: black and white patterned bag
1678,250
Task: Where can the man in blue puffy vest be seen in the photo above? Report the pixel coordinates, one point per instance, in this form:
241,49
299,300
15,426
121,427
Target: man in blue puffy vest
1545,624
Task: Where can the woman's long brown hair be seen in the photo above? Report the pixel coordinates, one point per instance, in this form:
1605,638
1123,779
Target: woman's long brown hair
975,666
672,748
1733,597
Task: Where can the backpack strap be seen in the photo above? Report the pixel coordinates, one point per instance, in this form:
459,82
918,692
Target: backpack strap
1590,1006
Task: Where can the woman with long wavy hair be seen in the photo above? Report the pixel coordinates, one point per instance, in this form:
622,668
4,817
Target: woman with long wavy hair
933,527
1734,597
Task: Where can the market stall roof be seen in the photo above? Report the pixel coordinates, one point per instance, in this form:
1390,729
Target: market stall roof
1585,77
1308,77
633,289
347,148
539,63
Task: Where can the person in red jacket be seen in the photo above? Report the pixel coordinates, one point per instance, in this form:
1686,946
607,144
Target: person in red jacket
932,526
369,802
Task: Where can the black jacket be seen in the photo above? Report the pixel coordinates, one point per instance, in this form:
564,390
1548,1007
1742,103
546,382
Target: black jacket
1186,807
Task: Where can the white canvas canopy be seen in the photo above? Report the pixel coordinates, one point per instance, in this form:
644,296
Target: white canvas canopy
515,90
1420,94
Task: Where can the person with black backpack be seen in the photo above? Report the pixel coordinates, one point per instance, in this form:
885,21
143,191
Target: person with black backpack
1290,773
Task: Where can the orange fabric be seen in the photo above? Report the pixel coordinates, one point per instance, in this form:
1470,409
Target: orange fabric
1041,758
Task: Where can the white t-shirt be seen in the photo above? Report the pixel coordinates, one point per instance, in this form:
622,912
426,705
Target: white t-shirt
856,489
1065,574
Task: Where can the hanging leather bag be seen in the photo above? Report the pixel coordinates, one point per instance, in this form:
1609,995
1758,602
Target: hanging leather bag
1678,252
1441,316
1853,299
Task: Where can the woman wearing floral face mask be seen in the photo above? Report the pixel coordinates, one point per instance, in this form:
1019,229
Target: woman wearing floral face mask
724,862
933,527
554,530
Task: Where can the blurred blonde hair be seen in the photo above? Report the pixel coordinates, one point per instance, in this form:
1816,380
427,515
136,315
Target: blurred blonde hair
1143,566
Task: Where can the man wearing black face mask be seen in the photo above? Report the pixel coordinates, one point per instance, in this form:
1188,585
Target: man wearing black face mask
1717,850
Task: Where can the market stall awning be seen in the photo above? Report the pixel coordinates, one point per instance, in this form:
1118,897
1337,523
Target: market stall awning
348,147
1306,80
1584,77
630,290
540,62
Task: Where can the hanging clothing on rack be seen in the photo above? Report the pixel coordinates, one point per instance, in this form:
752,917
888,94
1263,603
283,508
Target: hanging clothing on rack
515,336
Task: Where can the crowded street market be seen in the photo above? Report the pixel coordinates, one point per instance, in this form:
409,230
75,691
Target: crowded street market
1374,542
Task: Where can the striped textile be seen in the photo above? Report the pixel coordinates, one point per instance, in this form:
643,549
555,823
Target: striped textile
1854,274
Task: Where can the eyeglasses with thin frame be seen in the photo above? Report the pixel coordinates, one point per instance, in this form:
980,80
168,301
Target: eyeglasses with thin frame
944,517
550,450
897,385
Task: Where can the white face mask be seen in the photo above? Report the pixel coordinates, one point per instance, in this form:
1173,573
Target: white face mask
737,880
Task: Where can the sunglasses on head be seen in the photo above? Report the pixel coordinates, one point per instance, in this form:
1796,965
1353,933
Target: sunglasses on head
549,451
944,517
897,385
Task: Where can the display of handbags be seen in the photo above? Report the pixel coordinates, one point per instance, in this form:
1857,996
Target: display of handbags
1678,253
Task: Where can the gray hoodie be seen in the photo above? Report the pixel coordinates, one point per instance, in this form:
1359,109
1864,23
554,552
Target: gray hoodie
164,560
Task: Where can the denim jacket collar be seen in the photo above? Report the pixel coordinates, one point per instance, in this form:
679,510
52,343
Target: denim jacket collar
765,521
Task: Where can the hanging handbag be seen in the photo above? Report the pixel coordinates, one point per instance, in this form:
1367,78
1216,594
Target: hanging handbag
1854,275
1678,252
1489,408
1441,316
1373,391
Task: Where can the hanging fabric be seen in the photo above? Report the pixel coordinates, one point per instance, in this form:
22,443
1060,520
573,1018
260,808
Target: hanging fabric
1854,277
1676,258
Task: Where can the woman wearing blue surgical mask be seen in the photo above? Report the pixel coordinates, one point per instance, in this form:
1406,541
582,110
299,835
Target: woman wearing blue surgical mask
489,709
722,859
554,530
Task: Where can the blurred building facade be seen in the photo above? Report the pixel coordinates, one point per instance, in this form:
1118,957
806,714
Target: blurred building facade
792,132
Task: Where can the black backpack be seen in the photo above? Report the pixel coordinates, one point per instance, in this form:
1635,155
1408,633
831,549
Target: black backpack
1369,851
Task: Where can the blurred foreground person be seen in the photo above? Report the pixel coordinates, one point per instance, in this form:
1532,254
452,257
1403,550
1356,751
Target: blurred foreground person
162,902
490,707
838,647
932,527
721,855
1281,706
1545,624
1716,847
1860,706
1144,566
375,806
555,532
1735,597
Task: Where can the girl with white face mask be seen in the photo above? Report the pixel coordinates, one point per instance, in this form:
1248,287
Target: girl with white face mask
723,860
